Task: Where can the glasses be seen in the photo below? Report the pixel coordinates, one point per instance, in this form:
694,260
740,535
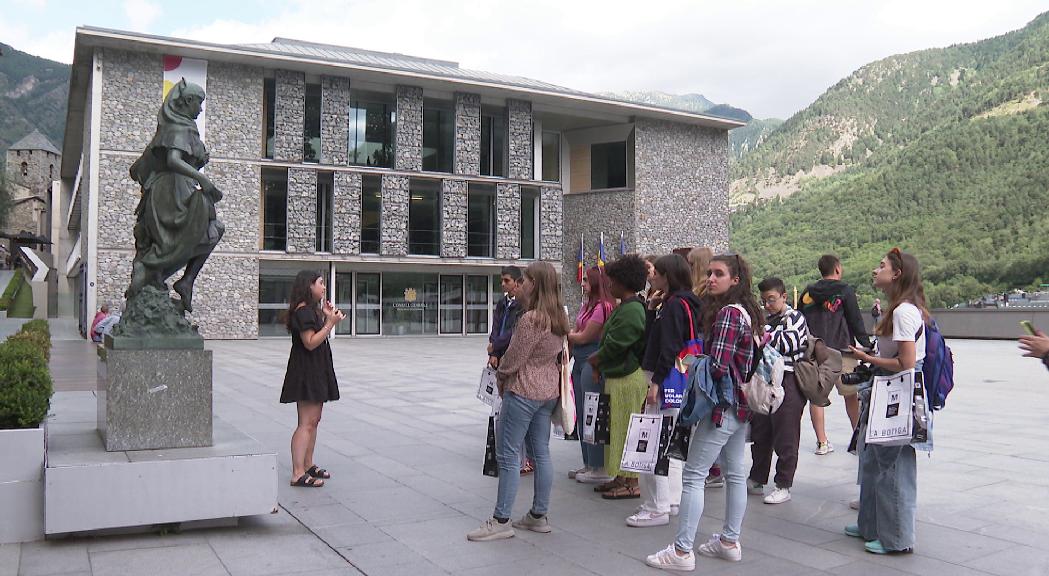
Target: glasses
770,300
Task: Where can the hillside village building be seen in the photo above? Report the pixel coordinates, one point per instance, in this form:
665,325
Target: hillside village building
30,166
407,181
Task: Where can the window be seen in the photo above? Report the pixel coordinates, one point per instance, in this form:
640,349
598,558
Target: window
477,304
438,138
409,303
451,305
51,172
424,217
493,145
25,169
274,292
552,156
325,200
344,301
274,208
269,113
529,222
608,165
371,213
366,312
372,121
311,129
480,220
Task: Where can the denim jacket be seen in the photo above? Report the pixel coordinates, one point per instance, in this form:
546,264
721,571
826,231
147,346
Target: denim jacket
704,393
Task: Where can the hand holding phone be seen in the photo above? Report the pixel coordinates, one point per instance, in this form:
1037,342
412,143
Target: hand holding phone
1029,327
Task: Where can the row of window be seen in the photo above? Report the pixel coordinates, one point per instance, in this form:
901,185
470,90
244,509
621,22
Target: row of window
372,125
424,215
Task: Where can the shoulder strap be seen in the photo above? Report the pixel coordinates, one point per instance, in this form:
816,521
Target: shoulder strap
691,326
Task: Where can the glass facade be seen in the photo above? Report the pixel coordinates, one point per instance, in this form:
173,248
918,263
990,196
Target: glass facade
269,113
409,303
452,304
311,130
366,311
372,128
477,305
344,301
438,137
424,217
552,156
480,220
529,222
274,292
274,208
608,165
325,199
494,149
371,213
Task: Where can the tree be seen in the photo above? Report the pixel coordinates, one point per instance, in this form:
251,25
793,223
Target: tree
5,200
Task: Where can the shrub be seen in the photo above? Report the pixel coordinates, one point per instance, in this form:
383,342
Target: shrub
40,342
38,326
9,291
25,384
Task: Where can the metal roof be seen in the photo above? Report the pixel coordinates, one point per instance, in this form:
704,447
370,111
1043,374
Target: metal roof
35,141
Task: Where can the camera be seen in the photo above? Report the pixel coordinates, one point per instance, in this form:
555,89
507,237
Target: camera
861,374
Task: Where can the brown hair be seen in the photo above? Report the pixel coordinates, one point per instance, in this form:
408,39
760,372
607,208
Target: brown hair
301,293
675,268
600,291
906,288
699,260
545,298
740,294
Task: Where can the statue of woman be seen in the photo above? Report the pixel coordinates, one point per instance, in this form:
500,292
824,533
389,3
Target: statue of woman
175,222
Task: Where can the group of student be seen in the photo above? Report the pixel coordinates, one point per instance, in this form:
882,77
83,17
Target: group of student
637,314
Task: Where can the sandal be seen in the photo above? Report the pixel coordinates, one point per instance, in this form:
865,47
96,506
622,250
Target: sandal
528,467
307,481
623,492
610,485
316,472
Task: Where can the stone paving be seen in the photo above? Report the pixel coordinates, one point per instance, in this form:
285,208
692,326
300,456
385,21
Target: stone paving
405,445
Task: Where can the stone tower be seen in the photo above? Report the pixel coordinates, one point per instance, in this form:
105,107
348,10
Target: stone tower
33,162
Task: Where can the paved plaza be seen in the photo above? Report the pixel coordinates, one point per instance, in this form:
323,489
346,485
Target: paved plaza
405,446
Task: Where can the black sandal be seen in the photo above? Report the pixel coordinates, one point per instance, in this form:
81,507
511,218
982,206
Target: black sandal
307,481
316,472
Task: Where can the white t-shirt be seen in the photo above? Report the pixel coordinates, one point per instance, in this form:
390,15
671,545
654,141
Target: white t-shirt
906,321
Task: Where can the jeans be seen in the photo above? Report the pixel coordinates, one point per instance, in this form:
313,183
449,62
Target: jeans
583,382
708,441
781,431
659,493
521,421
888,489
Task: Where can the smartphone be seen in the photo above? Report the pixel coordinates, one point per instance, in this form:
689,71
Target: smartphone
1026,324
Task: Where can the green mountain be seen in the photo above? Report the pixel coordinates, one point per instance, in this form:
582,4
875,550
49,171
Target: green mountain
687,102
746,138
33,94
941,152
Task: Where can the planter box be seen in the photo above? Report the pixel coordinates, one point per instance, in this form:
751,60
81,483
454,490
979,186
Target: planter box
22,484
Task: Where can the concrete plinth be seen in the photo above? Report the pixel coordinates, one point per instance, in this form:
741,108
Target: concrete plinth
22,485
154,399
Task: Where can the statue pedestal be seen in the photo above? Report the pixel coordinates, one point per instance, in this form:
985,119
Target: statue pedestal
150,399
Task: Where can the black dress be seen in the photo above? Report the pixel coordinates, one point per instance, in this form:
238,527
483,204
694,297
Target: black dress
311,375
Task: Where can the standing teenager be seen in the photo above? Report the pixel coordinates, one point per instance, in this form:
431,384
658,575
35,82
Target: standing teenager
310,378
889,474
729,317
529,376
583,342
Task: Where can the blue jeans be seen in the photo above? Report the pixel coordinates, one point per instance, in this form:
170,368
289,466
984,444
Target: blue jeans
708,441
523,421
583,382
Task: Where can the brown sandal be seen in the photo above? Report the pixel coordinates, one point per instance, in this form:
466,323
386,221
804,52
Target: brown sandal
625,491
610,485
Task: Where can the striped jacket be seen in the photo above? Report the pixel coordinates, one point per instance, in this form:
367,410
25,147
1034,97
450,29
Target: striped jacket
789,334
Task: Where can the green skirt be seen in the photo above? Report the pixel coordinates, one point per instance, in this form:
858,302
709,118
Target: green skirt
627,396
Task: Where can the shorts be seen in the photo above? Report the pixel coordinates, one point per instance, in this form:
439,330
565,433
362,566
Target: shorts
848,364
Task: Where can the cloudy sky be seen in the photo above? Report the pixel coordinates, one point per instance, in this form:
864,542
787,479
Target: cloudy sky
771,57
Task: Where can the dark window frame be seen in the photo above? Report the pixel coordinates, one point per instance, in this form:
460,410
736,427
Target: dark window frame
368,200
274,231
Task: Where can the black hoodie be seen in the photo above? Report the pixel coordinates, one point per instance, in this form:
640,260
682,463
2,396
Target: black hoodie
833,315
668,332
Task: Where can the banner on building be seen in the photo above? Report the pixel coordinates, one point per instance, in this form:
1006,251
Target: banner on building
196,71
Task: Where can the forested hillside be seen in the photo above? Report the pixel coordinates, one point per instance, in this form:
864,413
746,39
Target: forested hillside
33,94
959,175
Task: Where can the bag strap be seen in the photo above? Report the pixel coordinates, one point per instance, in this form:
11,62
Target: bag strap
691,326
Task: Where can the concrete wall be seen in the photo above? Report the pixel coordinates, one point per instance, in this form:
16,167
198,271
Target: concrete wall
1001,323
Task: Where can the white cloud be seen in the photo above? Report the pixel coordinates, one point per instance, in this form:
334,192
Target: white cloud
141,14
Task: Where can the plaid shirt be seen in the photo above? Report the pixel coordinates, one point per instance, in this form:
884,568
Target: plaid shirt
731,353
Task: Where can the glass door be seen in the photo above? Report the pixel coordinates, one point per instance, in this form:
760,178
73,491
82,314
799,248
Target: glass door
477,306
366,310
451,304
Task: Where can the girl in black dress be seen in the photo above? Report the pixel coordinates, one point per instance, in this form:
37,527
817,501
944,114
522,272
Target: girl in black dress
310,379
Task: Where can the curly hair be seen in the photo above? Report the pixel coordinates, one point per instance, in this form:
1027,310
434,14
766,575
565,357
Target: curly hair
628,271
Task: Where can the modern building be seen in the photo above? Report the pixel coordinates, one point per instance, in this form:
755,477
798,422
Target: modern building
408,181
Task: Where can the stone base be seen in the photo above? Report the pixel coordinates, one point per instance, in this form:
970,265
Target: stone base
154,399
22,485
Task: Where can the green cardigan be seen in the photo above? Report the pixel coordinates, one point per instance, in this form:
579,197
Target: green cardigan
623,341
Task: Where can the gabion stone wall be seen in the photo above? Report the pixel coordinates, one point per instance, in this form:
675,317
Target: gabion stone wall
508,221
289,115
393,235
409,145
335,128
467,134
521,148
346,233
453,218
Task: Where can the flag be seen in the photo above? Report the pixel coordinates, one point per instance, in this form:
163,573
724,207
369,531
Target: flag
601,252
579,265
622,245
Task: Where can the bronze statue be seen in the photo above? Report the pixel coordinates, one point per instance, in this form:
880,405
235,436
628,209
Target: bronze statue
175,223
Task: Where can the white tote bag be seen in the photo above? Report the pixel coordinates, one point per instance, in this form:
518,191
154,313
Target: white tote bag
891,418
642,443
488,389
564,412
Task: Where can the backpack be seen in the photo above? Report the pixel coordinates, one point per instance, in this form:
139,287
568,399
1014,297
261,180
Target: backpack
938,367
764,385
817,371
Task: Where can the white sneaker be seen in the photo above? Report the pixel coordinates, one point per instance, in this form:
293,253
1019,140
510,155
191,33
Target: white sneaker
714,482
824,448
667,559
644,519
529,522
593,477
754,488
675,509
778,496
491,529
715,549
573,473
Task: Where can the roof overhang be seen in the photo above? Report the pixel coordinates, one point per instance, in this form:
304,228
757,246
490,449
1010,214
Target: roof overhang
89,38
